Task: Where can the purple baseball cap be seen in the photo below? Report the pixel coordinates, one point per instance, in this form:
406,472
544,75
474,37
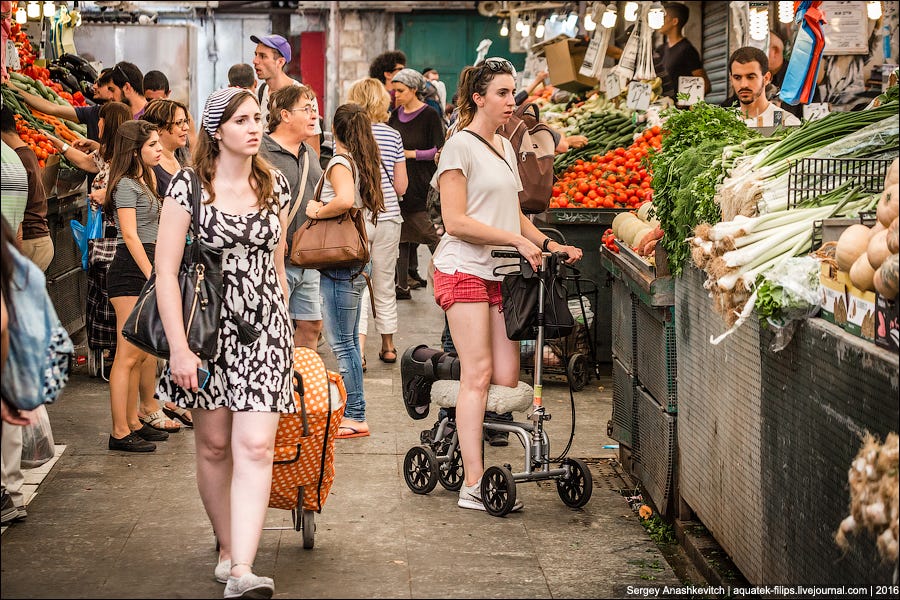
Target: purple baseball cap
276,42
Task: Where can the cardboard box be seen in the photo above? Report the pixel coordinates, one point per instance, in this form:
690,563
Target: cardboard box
834,295
887,324
564,59
860,312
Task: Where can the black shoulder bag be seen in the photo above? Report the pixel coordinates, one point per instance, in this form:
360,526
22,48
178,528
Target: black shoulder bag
520,291
201,283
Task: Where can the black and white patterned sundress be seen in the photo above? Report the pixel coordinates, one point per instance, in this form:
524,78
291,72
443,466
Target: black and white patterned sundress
254,377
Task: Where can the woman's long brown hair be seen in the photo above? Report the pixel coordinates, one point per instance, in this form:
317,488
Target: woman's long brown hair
353,129
126,162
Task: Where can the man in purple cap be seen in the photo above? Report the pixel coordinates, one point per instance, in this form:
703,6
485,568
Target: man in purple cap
273,53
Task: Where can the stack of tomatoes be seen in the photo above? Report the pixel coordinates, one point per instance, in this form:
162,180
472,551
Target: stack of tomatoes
39,143
617,179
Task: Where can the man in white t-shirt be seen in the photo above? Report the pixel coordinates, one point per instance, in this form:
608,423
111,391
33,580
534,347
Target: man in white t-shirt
273,53
749,72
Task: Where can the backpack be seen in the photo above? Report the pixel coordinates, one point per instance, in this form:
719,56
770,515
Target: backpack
37,366
535,147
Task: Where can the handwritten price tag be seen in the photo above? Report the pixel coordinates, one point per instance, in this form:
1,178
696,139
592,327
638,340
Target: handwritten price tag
693,87
613,87
638,95
815,110
589,67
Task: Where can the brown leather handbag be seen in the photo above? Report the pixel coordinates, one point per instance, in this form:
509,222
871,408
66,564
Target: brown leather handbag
335,243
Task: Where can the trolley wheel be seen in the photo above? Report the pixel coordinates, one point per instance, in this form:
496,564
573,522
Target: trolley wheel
420,469
578,371
308,527
575,490
450,473
498,491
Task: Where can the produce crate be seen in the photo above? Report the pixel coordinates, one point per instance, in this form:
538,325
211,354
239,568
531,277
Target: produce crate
655,453
656,365
810,177
623,427
66,281
68,292
623,333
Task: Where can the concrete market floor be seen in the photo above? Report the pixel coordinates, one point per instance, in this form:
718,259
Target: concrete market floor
115,525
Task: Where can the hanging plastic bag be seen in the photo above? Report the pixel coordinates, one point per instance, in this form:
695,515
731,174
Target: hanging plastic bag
809,44
91,230
37,440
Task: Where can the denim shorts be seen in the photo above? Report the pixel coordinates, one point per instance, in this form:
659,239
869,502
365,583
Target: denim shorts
305,302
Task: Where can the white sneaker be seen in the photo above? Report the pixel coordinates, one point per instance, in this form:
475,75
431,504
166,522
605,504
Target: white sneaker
249,586
223,570
470,497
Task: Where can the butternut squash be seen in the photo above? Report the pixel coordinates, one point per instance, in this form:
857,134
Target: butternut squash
889,205
851,245
877,249
862,274
893,236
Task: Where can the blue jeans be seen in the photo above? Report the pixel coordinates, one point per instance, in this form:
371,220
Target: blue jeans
340,309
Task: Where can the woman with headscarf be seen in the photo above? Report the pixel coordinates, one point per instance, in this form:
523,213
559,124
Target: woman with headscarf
422,132
243,212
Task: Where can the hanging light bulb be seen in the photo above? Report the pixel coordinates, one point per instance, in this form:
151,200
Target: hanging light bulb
539,30
589,24
631,11
526,27
504,28
759,23
34,10
874,10
519,25
21,15
656,16
610,16
785,12
49,9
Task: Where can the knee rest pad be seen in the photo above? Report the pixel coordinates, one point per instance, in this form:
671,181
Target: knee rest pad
501,399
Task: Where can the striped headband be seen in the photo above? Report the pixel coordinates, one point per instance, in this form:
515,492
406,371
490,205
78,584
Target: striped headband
215,106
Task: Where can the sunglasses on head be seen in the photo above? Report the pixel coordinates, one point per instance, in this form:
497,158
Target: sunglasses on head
498,65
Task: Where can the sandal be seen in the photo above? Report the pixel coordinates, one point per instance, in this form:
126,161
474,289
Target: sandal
158,420
176,413
388,356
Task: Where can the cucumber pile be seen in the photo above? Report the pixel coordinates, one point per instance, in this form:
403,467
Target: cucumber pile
604,130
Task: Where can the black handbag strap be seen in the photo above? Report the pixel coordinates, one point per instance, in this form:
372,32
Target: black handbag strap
196,195
493,149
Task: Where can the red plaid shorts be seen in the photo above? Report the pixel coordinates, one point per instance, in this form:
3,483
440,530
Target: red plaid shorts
462,287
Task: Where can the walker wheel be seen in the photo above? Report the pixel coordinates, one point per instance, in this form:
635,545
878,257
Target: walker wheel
498,491
578,371
420,469
308,527
450,473
575,490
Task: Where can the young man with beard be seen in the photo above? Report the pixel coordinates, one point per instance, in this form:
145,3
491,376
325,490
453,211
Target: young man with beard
748,69
292,124
273,53
677,57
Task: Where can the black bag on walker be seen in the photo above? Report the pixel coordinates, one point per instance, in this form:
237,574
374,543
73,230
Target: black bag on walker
520,305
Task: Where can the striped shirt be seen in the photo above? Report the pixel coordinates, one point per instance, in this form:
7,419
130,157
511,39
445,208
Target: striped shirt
14,187
391,147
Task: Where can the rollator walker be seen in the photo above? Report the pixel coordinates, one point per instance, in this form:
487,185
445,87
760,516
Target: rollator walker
430,375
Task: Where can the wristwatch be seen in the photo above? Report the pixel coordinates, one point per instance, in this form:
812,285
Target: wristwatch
64,148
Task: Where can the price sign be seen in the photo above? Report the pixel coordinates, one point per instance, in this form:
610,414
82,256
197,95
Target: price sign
815,110
638,95
613,87
12,56
590,67
693,87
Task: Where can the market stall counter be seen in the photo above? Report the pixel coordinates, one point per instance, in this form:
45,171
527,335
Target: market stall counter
765,440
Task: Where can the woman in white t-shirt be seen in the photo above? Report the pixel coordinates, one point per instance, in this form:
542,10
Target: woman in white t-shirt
479,186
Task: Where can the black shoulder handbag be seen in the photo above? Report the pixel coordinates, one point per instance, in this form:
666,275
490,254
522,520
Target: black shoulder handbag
520,304
201,283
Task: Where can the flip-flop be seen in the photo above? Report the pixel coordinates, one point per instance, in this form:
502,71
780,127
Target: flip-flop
179,414
354,433
383,355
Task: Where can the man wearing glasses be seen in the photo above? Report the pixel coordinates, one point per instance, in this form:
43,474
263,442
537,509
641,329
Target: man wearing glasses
292,124
272,55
